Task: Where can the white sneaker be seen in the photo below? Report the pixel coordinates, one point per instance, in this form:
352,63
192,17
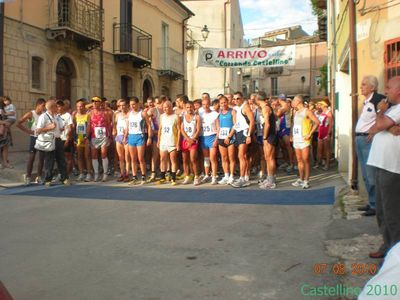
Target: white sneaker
96,177
186,180
57,179
105,177
27,180
81,177
214,180
39,180
239,183
298,183
89,177
205,179
246,182
230,180
224,180
305,185
196,181
268,185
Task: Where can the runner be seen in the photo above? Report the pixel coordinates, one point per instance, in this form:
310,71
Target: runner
99,121
226,140
244,127
208,140
259,119
304,124
31,119
80,119
168,141
137,141
154,112
66,134
190,130
270,141
324,135
120,132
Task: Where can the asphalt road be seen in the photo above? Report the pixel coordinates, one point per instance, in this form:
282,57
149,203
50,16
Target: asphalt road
81,248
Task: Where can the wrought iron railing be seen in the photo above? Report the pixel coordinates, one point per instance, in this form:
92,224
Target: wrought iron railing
170,60
81,16
129,39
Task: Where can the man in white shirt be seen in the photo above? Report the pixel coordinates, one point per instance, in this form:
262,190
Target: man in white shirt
369,87
384,156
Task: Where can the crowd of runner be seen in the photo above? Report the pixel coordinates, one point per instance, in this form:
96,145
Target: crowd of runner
162,141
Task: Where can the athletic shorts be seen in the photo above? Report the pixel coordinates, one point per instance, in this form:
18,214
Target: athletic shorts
136,140
120,139
301,145
185,146
273,140
260,140
80,140
240,138
98,143
221,142
69,148
206,142
32,143
168,148
283,132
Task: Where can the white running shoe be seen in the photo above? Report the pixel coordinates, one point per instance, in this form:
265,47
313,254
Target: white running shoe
224,180
214,180
298,183
246,183
96,177
305,185
39,180
81,177
27,180
268,185
239,183
89,177
231,180
205,179
196,181
186,180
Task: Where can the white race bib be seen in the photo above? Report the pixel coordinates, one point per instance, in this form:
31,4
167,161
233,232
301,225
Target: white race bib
81,129
223,132
297,131
120,130
167,130
133,125
206,128
100,132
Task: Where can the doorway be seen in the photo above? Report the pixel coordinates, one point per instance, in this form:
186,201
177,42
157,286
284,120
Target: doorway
64,74
147,90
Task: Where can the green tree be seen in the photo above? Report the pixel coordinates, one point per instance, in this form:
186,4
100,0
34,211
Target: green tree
315,10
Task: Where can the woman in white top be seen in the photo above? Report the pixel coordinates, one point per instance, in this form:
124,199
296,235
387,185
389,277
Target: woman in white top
120,129
190,130
209,141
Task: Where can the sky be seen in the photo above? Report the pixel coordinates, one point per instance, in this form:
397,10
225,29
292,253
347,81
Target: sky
260,16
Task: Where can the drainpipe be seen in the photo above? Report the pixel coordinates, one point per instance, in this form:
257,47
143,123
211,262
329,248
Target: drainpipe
309,89
1,48
101,52
354,89
226,40
183,52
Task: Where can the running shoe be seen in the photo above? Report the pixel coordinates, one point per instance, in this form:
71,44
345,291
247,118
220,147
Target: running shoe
261,179
224,180
214,180
196,181
57,179
105,177
39,180
143,181
205,179
66,182
121,178
168,177
47,184
239,183
231,180
27,180
81,177
96,177
173,182
187,180
305,185
246,183
268,185
133,181
151,179
298,183
88,178
161,181
127,179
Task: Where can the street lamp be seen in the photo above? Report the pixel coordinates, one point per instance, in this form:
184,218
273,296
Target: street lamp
191,41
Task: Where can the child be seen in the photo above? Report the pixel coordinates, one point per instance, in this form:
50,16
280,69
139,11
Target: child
8,115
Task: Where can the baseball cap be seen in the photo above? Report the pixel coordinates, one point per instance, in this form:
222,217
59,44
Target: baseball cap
282,96
96,99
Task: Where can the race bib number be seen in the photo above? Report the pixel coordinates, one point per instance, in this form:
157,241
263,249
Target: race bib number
189,130
120,130
100,132
224,132
297,131
166,130
206,128
81,129
133,125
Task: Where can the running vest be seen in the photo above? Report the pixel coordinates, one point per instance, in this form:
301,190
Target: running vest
241,121
208,123
301,126
225,124
135,122
323,129
169,134
98,122
81,124
32,123
155,120
189,127
121,123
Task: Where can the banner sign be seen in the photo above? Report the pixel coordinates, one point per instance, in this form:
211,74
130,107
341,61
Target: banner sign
247,57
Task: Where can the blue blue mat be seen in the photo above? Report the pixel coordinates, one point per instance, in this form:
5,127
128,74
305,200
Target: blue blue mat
324,196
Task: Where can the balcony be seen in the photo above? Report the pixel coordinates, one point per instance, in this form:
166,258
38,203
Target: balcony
131,44
80,21
171,63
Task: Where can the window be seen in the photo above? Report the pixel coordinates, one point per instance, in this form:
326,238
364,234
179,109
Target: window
36,72
392,58
274,86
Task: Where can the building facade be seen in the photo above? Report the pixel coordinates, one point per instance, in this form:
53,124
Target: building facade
303,78
377,42
224,22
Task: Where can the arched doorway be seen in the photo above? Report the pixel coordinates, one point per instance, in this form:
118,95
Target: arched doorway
64,74
147,90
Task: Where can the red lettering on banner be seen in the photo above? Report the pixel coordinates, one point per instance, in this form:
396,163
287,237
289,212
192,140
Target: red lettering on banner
239,54
230,54
252,54
221,54
262,52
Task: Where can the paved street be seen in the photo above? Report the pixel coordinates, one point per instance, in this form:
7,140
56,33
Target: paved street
81,248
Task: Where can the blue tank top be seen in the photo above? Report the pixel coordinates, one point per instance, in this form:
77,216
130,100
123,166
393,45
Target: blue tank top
226,120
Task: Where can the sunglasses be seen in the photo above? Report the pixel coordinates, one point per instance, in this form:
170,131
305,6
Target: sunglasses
237,98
